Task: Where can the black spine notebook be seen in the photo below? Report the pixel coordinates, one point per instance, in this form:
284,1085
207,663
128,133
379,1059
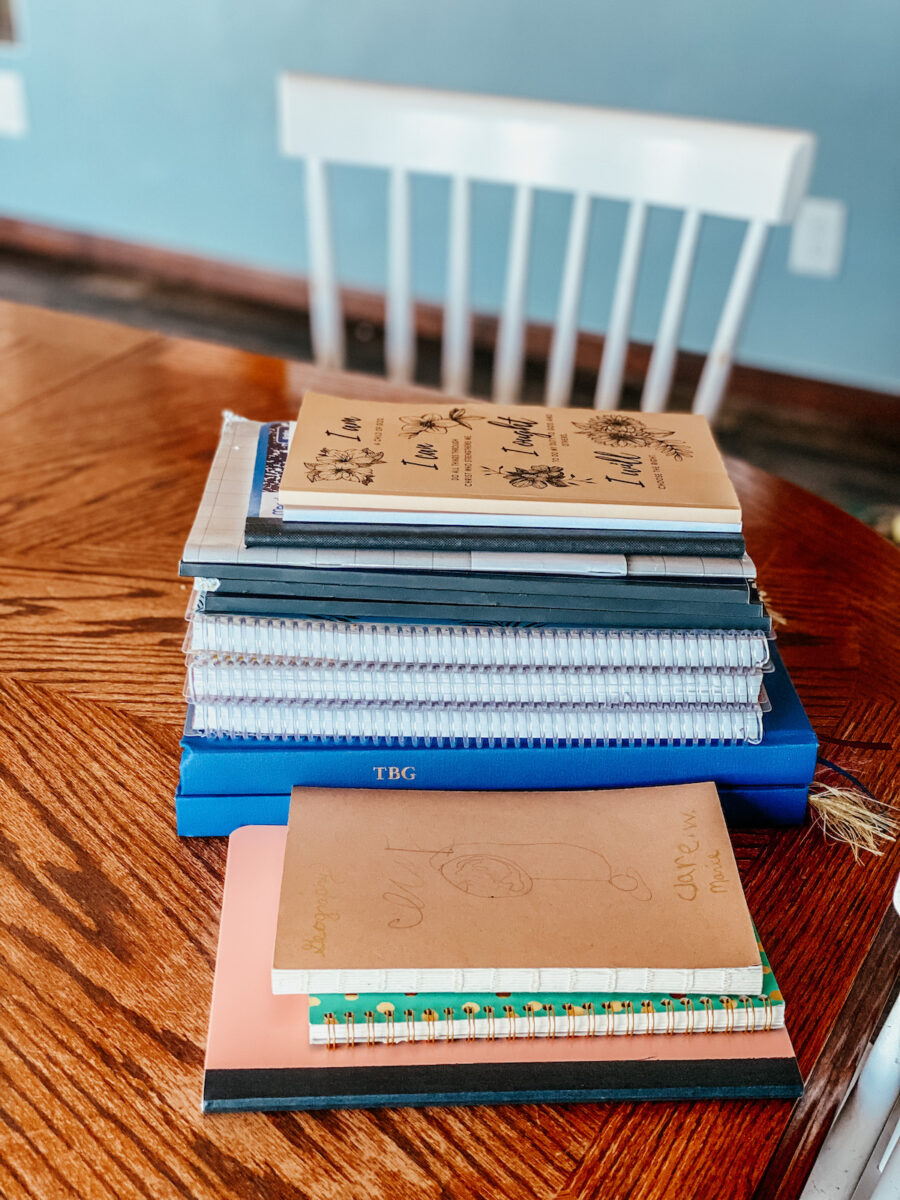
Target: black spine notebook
613,616
517,593
500,1083
334,580
271,531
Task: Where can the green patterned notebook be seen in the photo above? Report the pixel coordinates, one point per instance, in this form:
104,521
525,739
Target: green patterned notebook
337,1019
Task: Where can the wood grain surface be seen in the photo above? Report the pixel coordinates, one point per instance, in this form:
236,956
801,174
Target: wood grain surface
109,922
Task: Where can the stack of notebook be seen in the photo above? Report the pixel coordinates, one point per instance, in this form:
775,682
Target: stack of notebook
473,597
440,947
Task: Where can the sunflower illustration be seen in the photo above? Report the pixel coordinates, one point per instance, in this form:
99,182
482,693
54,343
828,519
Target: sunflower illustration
622,429
432,422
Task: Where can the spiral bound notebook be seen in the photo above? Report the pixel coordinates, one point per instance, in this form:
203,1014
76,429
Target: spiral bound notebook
478,724
337,1019
474,645
547,892
216,679
259,1054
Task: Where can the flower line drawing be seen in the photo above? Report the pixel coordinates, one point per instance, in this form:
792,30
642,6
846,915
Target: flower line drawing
622,429
535,477
344,466
433,422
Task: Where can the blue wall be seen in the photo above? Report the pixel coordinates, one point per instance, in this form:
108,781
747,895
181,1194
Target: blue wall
154,120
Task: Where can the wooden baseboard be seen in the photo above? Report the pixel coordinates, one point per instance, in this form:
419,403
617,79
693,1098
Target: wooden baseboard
291,291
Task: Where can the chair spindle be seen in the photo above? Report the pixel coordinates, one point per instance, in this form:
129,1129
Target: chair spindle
510,352
324,301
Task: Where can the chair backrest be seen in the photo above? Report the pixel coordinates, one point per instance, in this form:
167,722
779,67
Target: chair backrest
750,173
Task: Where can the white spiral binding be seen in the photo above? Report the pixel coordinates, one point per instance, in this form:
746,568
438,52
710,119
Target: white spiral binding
476,645
218,679
478,724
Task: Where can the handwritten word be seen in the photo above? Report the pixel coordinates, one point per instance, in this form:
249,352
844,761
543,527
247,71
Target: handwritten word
628,464
351,426
685,861
315,943
524,431
719,879
426,451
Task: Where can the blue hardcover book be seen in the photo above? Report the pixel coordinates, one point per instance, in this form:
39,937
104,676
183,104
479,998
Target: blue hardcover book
761,784
218,816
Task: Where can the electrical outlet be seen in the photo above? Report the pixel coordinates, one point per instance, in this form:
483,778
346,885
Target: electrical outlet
817,238
13,121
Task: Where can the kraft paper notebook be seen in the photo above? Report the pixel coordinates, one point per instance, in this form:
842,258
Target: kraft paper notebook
259,1055
516,461
397,891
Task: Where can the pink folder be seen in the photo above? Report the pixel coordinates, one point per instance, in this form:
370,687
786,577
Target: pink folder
259,1057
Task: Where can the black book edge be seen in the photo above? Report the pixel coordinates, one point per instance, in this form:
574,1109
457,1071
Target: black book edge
269,531
232,1090
254,577
632,601
369,612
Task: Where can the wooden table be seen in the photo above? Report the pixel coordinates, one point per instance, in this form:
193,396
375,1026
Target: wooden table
110,922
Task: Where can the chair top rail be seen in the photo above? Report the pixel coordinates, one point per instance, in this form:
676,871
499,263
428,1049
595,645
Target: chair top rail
747,172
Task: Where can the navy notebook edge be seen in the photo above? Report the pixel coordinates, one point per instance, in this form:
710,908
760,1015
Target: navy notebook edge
261,1089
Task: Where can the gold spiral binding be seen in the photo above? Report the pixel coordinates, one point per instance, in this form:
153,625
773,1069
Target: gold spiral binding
430,1017
729,1005
551,1020
769,1013
629,1017
710,1014
610,1014
531,1007
749,1014
570,1020
491,1026
670,1014
688,1006
648,1011
510,1013
370,1028
448,1017
591,1019
410,1024
330,1021
391,1027
471,1028
350,1027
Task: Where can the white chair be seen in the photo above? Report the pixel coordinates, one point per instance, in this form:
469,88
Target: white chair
750,173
